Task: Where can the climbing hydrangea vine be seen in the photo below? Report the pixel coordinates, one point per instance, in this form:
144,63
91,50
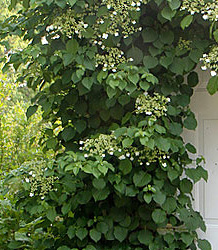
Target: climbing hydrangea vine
115,79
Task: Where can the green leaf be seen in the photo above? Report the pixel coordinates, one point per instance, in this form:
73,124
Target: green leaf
150,62
72,46
68,59
120,233
31,111
18,236
145,237
186,21
174,4
204,245
141,179
71,232
167,37
95,235
81,233
72,2
147,197
168,13
66,208
166,61
99,183
15,245
192,79
64,248
190,122
175,128
158,216
68,133
190,148
87,82
133,78
163,144
102,227
100,194
127,142
61,3
170,205
212,85
197,173
101,76
159,197
51,214
136,54
125,166
159,129
187,238
80,126
149,35
186,186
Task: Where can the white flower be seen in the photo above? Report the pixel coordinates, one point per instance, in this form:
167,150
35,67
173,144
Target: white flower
119,150
207,60
164,165
44,40
108,6
105,36
148,113
116,34
27,180
111,153
42,198
33,175
137,153
85,25
131,59
122,157
204,55
128,154
205,17
103,155
102,21
114,70
85,155
80,148
133,4
141,163
131,159
134,22
114,12
213,73
147,163
192,12
81,142
31,194
168,99
203,67
31,172
138,4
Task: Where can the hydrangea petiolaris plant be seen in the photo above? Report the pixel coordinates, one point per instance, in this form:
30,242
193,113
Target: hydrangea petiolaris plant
110,77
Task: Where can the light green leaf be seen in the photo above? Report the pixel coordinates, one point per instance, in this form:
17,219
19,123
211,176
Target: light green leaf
186,21
212,85
120,233
95,235
204,245
168,13
81,233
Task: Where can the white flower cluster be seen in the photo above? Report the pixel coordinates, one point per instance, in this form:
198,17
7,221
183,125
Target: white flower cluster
210,61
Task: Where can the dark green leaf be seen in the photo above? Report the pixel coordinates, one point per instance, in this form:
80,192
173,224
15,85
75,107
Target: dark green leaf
95,235
159,216
120,233
186,21
141,179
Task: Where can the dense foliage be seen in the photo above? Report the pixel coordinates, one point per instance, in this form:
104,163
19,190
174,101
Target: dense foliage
115,79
